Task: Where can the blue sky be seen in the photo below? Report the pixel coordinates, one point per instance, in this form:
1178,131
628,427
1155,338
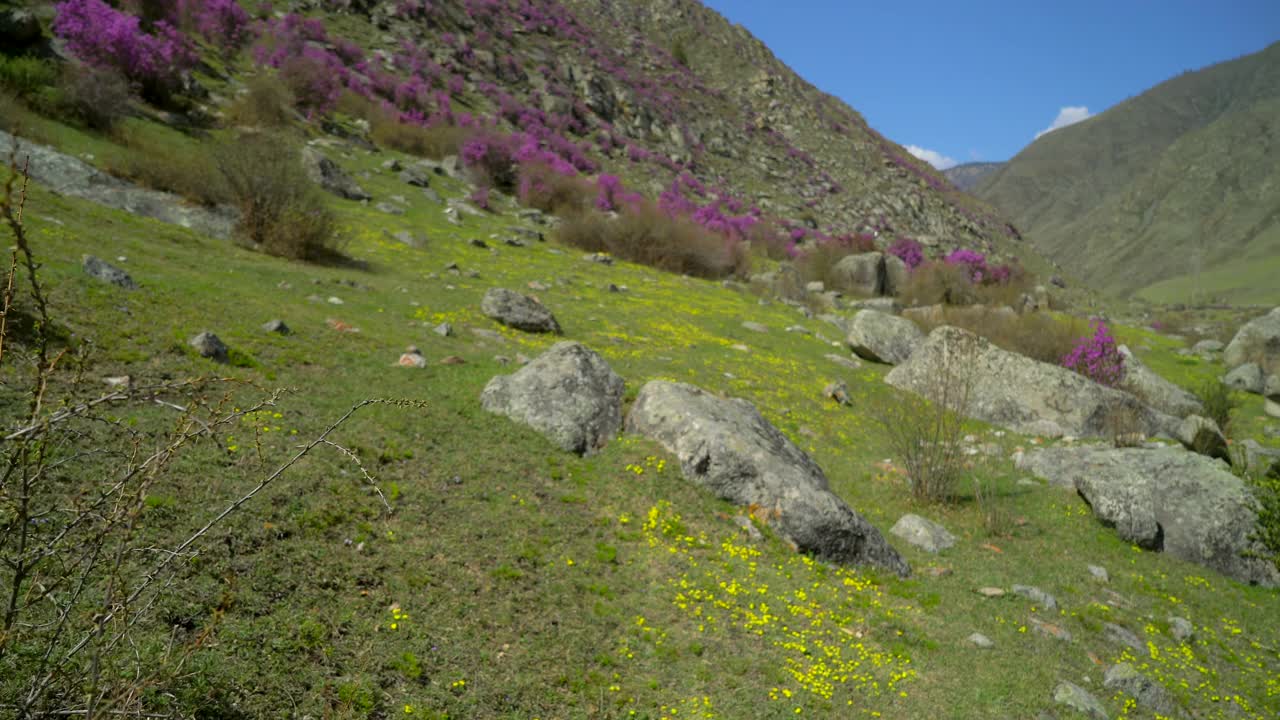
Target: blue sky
965,80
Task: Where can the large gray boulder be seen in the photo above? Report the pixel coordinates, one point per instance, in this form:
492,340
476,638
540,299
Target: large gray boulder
1202,435
861,274
1257,341
1168,500
883,338
1272,394
1154,390
1019,393
727,447
1247,377
569,394
518,311
330,176
896,275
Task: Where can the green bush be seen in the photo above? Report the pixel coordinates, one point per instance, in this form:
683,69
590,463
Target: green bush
1266,491
187,169
281,210
1218,402
27,76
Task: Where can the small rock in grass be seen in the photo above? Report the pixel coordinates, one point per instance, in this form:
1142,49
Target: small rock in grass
755,327
333,300
1049,629
844,362
412,357
744,523
444,329
277,326
1099,573
478,243
981,641
210,346
1181,628
923,533
388,208
1079,699
838,391
1122,636
120,382
1037,596
452,360
990,592
106,272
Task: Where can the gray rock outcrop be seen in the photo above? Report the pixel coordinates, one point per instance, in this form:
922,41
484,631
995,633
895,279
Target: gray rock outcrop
71,176
883,338
1202,435
1079,699
569,394
727,447
106,272
861,274
1154,390
210,346
1257,341
1149,694
1019,393
518,311
1169,500
331,177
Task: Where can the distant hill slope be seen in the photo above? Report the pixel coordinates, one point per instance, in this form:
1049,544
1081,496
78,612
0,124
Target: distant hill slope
970,175
1169,195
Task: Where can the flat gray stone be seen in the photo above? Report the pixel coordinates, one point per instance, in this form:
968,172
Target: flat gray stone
1099,573
106,272
1123,636
980,641
1149,694
1037,596
923,533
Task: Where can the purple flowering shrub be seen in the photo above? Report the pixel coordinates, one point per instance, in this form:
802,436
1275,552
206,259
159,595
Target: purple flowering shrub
221,22
103,37
1097,357
909,251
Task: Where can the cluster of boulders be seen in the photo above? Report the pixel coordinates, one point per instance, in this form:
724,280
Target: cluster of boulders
1252,359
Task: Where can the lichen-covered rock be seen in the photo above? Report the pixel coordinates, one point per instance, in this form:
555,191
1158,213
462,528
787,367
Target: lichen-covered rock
1019,393
210,346
1248,378
923,533
1167,500
727,447
569,394
106,272
1257,341
330,176
1153,389
883,338
518,311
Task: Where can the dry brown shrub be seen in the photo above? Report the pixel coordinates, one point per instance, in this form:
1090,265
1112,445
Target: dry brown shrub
1039,336
542,188
648,236
268,103
281,210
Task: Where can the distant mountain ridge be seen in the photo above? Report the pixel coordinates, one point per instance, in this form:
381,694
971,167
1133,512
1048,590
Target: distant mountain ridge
967,176
1173,195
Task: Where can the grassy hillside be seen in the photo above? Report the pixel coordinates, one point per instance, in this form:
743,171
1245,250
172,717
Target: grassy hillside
511,580
1166,191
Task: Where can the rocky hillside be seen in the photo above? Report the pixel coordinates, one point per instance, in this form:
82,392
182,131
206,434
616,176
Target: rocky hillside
1172,194
970,175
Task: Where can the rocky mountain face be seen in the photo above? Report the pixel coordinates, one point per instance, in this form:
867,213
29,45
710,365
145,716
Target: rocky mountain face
1172,191
660,90
968,176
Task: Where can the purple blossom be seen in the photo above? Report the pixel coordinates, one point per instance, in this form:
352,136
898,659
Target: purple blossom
1097,357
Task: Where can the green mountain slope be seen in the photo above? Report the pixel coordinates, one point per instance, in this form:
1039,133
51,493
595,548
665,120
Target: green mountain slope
1164,188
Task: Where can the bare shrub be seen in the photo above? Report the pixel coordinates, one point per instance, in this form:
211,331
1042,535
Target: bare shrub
939,283
281,210
995,514
386,129
97,98
1218,400
268,103
648,236
925,434
542,188
1039,336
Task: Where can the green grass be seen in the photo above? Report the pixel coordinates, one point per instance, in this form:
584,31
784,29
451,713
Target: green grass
515,581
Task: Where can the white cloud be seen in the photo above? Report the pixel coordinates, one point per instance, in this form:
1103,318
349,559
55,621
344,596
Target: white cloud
933,157
1069,115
